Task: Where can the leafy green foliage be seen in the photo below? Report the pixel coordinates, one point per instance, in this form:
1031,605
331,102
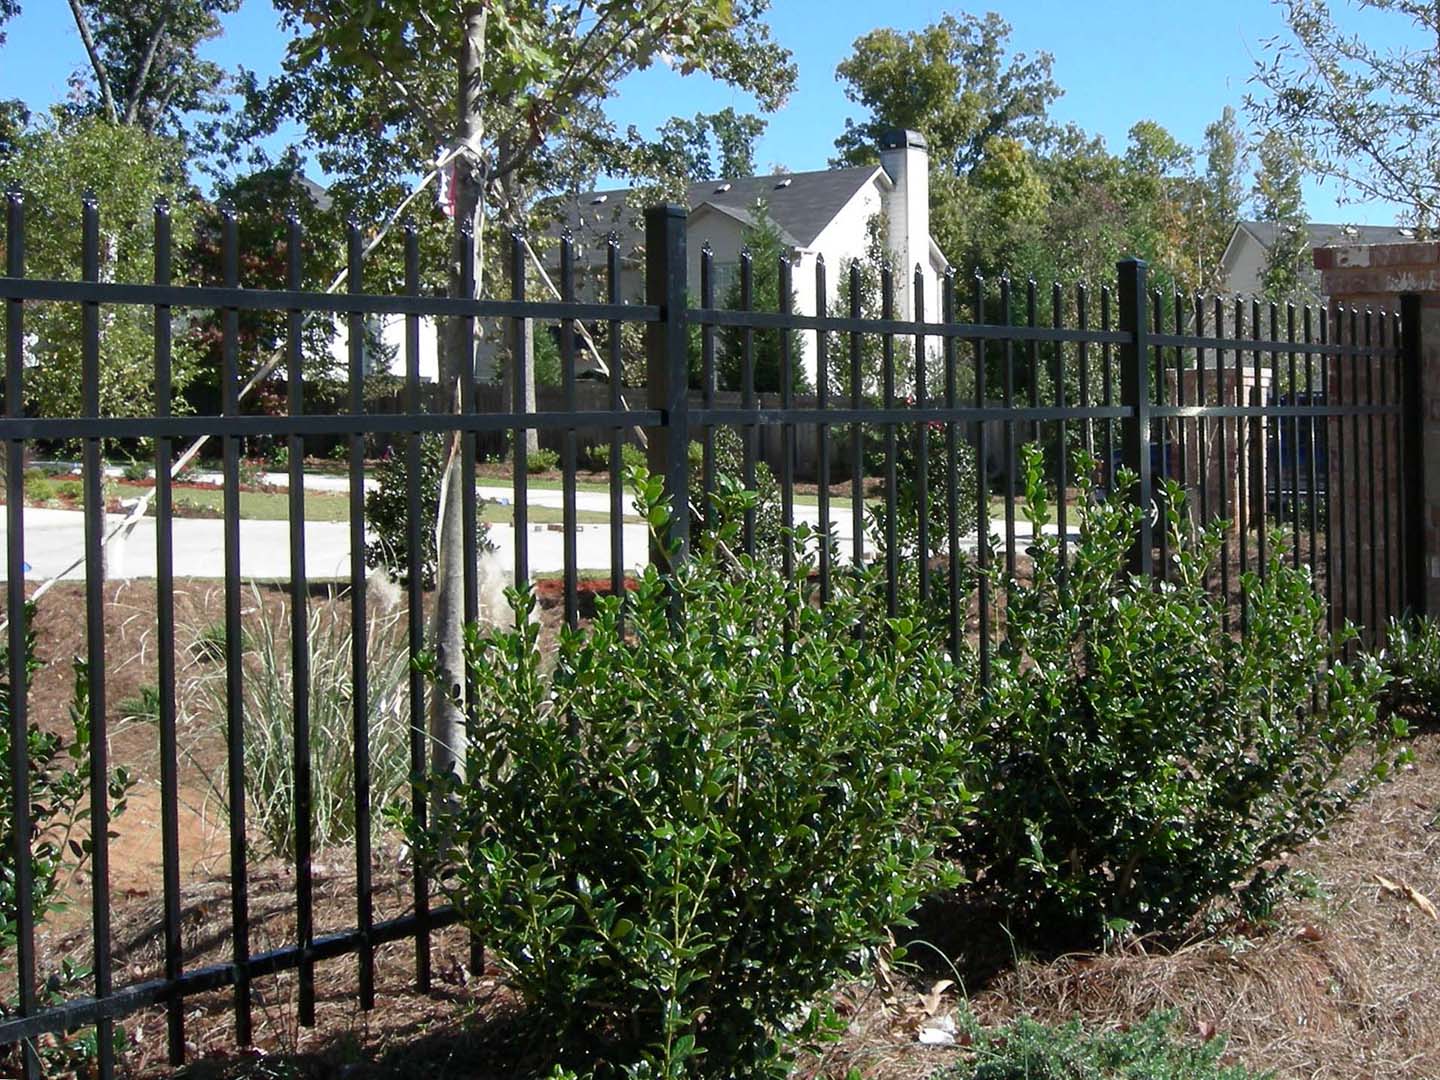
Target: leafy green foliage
60,843
1361,99
147,71
709,146
127,171
676,839
375,86
953,82
631,457
1150,1050
1411,658
936,505
1142,759
387,511
769,524
262,202
1280,200
542,460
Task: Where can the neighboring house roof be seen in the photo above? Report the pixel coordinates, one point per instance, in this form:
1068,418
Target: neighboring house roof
799,204
318,195
1320,234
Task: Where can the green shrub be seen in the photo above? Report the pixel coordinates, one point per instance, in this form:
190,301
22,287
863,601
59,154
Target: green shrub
597,458
59,772
1142,759
387,511
541,460
1149,1050
73,490
1411,658
937,493
679,837
39,487
270,720
730,464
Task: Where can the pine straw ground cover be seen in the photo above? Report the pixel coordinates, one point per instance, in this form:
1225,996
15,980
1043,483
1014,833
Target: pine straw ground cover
1341,985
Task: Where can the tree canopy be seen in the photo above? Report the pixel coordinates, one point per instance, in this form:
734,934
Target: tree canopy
1367,114
145,68
953,82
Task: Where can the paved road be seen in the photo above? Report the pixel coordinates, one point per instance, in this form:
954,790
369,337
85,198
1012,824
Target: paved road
55,538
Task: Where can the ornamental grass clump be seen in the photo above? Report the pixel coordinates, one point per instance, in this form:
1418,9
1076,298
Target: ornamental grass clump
719,797
1142,758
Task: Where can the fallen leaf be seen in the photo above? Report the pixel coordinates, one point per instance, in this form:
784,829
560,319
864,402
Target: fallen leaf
1206,1029
931,1001
1309,933
1408,892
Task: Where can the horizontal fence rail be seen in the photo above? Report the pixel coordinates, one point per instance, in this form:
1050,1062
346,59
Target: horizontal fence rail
1286,423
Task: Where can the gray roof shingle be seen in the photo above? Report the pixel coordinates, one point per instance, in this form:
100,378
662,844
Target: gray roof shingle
799,204
1322,235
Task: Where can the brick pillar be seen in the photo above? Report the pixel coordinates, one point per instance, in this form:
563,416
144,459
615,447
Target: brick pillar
1386,278
1225,387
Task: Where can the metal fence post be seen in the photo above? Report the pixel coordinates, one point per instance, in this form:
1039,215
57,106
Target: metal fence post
1412,455
667,364
1135,396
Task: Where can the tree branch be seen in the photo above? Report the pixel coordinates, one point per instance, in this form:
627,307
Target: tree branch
83,25
142,76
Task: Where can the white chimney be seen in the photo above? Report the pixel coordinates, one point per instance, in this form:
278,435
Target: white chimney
906,161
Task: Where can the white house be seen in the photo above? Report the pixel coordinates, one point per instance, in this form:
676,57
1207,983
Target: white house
818,214
1243,263
826,213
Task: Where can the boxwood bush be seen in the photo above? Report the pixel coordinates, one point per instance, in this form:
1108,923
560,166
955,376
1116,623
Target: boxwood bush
1141,758
677,839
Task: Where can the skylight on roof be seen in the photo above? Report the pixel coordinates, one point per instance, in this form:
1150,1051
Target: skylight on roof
598,199
784,183
723,187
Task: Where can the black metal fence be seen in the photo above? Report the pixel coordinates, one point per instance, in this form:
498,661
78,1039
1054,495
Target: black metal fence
1215,394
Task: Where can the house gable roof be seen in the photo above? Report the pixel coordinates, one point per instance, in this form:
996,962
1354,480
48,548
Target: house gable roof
1320,234
799,204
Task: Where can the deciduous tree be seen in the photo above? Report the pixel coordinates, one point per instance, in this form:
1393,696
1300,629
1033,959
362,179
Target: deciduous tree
1224,194
506,100
1279,200
953,82
1366,113
126,170
144,64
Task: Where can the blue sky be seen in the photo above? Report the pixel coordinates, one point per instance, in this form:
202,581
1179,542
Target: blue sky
1118,61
